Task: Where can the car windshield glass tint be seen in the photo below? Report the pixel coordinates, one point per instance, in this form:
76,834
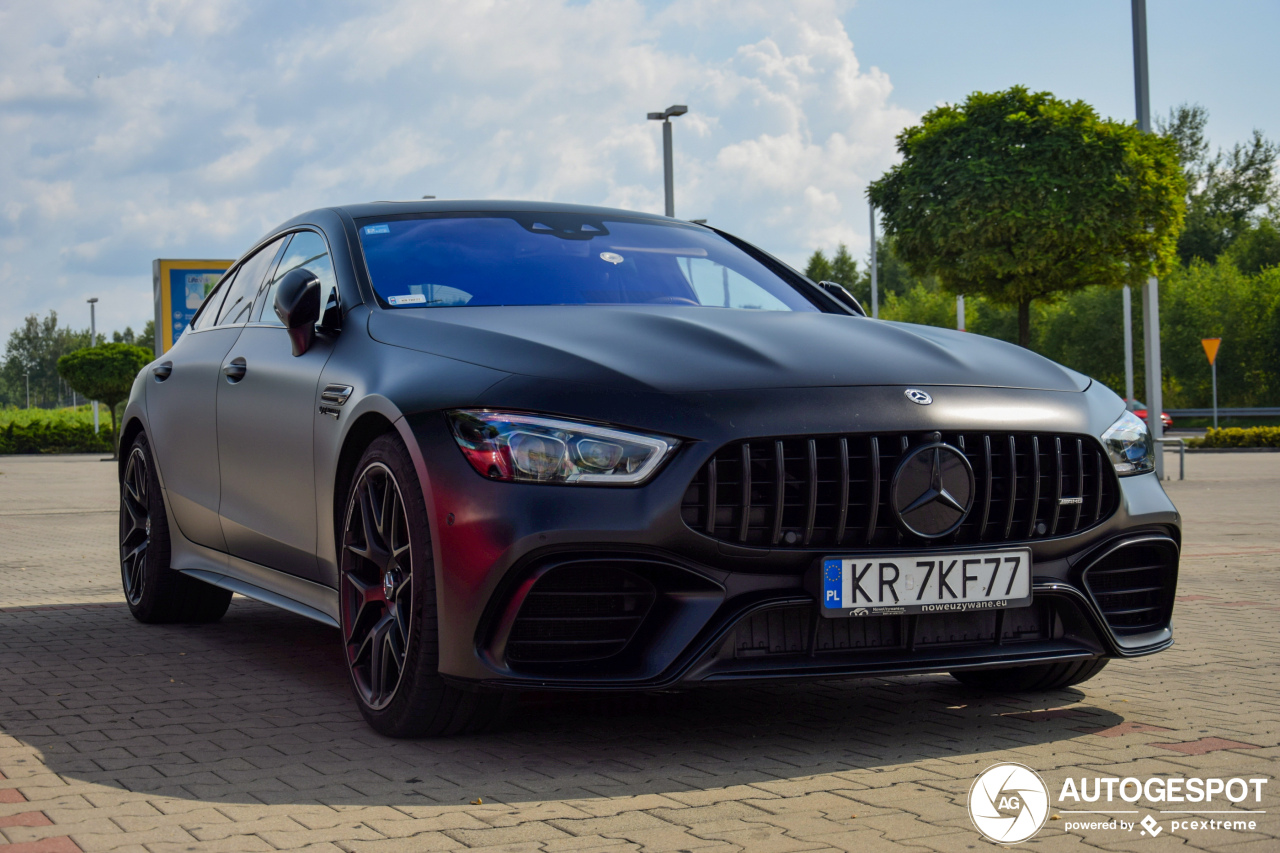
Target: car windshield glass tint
564,259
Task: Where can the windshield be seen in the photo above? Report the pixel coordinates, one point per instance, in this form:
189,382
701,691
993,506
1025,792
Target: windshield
564,259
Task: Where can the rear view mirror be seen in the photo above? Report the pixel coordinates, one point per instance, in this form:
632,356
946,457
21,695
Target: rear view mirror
298,307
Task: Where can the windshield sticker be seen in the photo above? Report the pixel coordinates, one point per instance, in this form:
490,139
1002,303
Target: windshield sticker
611,257
408,299
384,228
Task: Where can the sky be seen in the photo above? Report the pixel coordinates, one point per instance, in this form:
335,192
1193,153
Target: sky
139,129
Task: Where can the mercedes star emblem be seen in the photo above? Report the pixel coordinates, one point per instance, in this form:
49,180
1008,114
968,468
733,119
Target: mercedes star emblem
932,490
915,395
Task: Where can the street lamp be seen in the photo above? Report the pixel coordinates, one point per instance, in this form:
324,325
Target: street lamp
93,342
669,179
27,375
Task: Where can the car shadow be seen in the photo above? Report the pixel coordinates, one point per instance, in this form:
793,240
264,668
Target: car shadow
257,709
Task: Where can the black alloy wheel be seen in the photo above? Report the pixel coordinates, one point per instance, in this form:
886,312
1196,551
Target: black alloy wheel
377,585
152,589
135,525
387,604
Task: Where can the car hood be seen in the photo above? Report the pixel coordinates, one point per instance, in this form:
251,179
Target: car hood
678,349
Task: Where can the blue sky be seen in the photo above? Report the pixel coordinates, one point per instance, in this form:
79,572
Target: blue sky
137,129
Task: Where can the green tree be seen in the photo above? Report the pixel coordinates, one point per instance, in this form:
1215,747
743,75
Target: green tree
1018,196
105,373
819,267
31,357
1224,189
1258,247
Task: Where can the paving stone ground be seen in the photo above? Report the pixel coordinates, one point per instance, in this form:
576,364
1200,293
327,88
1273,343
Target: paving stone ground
242,736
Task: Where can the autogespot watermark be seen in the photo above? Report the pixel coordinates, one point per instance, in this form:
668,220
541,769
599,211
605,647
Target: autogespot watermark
1009,803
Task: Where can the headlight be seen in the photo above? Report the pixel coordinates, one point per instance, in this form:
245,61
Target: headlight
529,449
1129,444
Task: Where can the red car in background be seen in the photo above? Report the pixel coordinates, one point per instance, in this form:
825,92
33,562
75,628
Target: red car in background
1140,409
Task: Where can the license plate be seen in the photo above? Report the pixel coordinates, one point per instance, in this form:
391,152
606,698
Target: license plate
883,585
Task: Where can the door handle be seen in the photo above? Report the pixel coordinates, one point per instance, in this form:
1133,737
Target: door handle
235,370
161,371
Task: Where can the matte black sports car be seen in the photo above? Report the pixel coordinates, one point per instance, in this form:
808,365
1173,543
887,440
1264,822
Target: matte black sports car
508,445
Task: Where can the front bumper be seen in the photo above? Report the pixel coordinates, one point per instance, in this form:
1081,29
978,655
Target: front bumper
713,611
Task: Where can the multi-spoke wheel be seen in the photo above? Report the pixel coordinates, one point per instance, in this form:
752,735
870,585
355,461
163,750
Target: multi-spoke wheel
153,590
387,603
377,586
135,523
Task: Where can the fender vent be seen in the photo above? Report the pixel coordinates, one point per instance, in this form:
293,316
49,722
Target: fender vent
579,613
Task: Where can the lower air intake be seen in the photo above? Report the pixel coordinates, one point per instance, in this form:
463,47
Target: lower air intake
579,613
1134,585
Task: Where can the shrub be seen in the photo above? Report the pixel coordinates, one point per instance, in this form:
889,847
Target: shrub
51,431
1238,437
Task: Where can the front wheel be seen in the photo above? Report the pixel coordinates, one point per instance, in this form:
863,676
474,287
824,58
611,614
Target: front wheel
153,590
1031,679
387,604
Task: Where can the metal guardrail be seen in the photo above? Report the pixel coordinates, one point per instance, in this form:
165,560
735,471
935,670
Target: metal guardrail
1182,454
1247,412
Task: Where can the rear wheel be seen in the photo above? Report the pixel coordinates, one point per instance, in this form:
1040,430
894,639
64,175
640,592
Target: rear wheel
387,603
153,590
1031,679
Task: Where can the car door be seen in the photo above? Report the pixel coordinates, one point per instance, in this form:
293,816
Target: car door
266,418
181,402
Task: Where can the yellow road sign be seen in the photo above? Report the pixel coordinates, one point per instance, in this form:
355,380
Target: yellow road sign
1211,347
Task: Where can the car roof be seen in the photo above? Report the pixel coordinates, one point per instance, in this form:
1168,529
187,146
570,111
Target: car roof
399,208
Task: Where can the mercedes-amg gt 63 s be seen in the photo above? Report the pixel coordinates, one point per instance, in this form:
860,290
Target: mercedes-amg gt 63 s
505,445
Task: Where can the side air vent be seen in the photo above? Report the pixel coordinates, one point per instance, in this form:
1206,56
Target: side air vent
579,613
1134,585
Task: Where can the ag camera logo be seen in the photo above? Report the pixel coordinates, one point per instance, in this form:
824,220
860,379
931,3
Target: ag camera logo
1008,803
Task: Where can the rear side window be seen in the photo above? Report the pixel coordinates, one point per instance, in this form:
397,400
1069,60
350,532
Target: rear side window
307,250
239,299
209,310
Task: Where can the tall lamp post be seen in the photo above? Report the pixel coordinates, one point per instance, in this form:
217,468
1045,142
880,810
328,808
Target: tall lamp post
27,375
1150,290
93,342
667,172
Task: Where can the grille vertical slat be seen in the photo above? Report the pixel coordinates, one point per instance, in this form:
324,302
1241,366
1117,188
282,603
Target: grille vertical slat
779,490
1057,485
842,511
875,489
833,491
986,490
811,504
1035,485
1013,486
1075,525
712,485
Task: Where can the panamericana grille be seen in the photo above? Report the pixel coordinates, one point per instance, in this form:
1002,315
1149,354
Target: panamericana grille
579,613
833,491
1134,586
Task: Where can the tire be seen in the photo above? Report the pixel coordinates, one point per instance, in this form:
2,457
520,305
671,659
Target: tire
387,604
154,591
1031,679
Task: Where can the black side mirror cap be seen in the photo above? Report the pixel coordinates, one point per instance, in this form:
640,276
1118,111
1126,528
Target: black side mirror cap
843,296
298,307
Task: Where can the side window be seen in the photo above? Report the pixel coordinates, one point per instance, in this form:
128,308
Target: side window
209,310
239,299
722,287
307,250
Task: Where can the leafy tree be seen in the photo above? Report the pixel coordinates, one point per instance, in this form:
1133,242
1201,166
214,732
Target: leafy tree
105,373
1224,189
32,354
818,268
844,269
1019,196
1257,248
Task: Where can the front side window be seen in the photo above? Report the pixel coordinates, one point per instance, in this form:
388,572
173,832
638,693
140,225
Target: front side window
208,312
564,259
239,299
307,250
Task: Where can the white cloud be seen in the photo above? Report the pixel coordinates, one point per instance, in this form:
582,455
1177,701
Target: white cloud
133,130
